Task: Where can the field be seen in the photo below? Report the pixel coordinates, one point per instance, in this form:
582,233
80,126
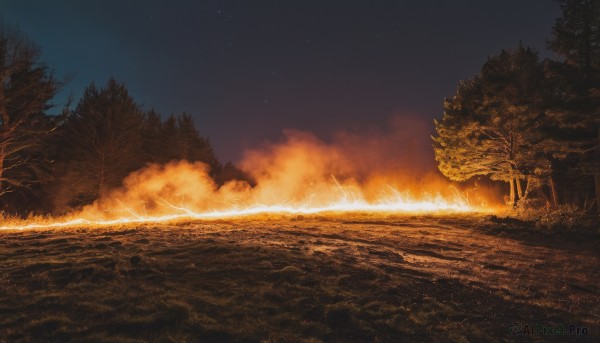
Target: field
358,278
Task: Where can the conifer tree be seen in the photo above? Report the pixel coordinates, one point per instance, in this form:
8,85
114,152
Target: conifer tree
103,143
575,114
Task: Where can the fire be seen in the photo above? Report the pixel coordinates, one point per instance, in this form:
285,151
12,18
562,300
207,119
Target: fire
347,202
301,176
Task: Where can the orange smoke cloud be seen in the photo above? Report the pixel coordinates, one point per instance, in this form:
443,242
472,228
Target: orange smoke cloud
300,174
377,172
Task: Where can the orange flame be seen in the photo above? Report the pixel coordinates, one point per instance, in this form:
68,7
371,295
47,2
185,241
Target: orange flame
301,176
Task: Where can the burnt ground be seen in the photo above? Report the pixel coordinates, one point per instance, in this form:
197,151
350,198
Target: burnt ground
356,278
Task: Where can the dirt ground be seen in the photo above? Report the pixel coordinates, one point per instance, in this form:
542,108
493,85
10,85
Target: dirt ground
358,278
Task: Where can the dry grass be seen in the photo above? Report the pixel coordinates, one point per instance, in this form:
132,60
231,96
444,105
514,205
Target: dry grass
311,279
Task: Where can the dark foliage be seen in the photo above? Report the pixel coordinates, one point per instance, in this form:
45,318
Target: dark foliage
576,114
26,88
107,137
521,119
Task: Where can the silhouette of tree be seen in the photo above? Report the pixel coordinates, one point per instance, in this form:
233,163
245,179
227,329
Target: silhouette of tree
153,139
26,88
175,139
576,35
575,114
103,143
229,171
191,146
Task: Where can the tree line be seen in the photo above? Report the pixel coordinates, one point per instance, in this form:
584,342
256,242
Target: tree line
530,123
57,163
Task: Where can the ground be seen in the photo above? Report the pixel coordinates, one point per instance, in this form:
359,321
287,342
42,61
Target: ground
359,278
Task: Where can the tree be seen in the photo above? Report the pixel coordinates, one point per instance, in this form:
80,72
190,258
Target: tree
489,127
175,139
228,172
153,139
575,115
26,88
576,35
103,143
191,145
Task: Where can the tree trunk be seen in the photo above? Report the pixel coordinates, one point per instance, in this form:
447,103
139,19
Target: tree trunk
2,159
101,182
597,172
512,192
519,189
597,179
553,192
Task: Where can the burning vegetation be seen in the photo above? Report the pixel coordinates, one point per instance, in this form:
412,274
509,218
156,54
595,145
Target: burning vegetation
302,175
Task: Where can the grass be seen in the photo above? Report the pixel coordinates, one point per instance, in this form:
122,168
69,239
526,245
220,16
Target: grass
300,279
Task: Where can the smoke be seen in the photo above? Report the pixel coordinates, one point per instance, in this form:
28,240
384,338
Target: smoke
402,147
300,171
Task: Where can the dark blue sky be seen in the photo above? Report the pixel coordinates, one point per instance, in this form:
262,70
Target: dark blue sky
248,69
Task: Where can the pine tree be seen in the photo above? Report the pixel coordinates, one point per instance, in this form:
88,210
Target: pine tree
576,35
191,145
153,142
103,143
575,115
170,137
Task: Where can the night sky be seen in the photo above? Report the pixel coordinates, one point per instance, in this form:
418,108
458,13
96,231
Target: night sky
246,70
